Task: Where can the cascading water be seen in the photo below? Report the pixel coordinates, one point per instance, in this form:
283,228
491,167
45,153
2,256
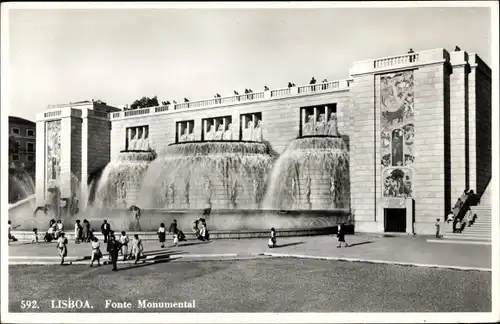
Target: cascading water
120,181
21,185
196,175
312,173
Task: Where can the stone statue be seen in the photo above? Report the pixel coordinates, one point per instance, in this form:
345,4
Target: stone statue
186,192
257,132
293,191
256,191
321,126
171,193
308,190
184,137
133,142
219,133
332,189
209,136
228,134
248,132
233,193
332,125
190,136
309,126
140,140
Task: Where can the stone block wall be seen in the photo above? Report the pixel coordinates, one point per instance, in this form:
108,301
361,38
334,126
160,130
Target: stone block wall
76,155
431,111
483,128
99,143
363,156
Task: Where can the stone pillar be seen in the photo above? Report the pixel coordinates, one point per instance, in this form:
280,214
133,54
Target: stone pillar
41,161
85,174
65,177
458,120
409,216
472,143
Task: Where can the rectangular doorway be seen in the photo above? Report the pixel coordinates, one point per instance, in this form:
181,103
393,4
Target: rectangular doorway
395,220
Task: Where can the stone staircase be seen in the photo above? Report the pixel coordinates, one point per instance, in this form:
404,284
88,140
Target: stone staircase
481,229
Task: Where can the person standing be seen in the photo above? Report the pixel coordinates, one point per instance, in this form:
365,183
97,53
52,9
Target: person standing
96,252
108,245
105,230
173,227
86,231
449,217
78,231
196,230
114,249
35,236
341,235
469,217
438,226
59,228
272,239
161,235
61,246
137,248
124,245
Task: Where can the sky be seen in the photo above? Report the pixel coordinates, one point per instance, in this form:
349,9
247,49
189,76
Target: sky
118,56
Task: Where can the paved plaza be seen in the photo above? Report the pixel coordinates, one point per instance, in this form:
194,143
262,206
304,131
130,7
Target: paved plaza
311,279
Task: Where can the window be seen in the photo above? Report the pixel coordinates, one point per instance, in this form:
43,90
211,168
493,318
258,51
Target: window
15,130
319,120
217,129
137,138
184,131
30,147
30,132
30,158
251,127
15,157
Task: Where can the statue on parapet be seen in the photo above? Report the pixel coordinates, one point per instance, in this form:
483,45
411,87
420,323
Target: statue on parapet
309,126
321,127
228,134
219,133
332,125
257,132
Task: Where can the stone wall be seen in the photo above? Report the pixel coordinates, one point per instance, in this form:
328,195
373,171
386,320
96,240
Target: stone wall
99,143
430,111
483,129
76,155
280,117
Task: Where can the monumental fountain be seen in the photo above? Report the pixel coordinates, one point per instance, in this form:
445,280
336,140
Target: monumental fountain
243,185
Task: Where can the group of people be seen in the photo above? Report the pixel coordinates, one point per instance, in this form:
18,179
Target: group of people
178,235
201,231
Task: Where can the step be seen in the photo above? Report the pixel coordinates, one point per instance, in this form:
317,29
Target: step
471,238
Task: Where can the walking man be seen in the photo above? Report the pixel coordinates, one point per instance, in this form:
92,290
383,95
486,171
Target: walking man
105,229
114,249
341,235
438,226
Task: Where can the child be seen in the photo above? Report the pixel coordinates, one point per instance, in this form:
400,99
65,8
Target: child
124,245
35,236
61,246
137,248
176,239
161,235
96,252
272,239
437,228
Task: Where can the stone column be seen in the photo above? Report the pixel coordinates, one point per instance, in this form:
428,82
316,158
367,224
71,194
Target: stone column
458,120
472,143
41,160
409,216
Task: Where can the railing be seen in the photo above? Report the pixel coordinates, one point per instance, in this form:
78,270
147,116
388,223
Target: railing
137,112
395,60
157,109
280,92
269,94
53,113
319,87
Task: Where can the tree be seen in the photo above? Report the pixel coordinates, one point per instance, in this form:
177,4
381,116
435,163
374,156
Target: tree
145,102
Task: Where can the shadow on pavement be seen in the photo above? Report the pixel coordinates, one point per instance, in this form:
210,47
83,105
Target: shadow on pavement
288,244
360,243
194,243
160,258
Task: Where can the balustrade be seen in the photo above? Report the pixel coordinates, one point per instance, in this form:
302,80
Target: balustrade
396,60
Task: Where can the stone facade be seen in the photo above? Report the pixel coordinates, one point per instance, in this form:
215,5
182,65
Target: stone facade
417,128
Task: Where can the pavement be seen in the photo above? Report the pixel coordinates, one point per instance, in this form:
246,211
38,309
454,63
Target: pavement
402,250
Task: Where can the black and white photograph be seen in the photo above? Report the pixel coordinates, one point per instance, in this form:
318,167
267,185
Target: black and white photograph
250,162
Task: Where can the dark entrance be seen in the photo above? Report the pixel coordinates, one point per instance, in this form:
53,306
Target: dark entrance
395,220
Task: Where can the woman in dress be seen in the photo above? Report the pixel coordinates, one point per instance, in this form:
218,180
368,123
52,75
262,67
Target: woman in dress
86,231
61,247
96,252
161,234
341,235
78,231
124,245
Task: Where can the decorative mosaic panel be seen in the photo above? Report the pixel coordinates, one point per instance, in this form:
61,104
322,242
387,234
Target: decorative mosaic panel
53,138
397,133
